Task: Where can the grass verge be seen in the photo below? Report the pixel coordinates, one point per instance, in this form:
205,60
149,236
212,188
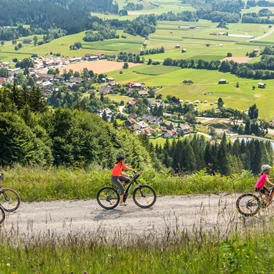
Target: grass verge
38,184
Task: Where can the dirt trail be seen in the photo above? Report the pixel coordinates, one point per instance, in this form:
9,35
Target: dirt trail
180,212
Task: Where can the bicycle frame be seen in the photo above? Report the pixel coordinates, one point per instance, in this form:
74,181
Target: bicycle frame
269,196
130,184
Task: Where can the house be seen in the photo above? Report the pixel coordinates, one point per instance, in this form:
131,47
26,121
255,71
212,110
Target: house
58,78
142,124
152,119
222,81
184,128
133,102
261,85
130,122
142,93
12,72
76,80
105,89
75,59
27,41
100,55
90,57
110,79
107,111
45,77
148,131
170,134
135,85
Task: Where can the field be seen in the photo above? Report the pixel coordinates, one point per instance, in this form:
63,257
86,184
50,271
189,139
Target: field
101,66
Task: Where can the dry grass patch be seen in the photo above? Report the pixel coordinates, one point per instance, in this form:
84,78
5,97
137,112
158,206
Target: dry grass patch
237,59
101,66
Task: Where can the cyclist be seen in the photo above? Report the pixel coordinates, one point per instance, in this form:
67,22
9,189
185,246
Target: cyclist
260,185
117,176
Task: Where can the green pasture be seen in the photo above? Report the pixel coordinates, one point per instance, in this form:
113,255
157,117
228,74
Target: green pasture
171,34
205,88
154,70
61,45
129,44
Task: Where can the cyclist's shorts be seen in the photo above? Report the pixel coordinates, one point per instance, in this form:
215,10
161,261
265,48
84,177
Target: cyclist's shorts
263,190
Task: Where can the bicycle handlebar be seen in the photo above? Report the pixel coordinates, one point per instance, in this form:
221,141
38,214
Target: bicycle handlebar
135,175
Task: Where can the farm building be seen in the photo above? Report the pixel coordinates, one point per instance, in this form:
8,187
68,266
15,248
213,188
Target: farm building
261,85
222,81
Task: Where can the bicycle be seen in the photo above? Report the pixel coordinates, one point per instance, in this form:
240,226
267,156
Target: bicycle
143,196
9,198
249,204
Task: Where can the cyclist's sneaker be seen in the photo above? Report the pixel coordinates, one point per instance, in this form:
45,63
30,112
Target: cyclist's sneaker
123,204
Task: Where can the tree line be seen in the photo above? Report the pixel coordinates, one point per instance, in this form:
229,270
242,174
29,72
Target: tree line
227,158
258,70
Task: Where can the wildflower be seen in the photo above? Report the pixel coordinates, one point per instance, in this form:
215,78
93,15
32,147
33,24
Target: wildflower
8,264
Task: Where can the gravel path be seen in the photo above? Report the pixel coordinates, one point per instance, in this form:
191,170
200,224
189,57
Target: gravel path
207,213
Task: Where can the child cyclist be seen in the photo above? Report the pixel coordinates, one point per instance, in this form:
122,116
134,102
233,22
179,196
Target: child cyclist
260,185
117,176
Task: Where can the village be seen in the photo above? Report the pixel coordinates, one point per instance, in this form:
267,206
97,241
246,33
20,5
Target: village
147,124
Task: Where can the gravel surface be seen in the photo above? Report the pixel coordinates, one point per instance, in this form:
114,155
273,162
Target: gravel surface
209,213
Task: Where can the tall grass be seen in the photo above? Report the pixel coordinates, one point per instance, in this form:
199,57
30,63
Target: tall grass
175,251
40,184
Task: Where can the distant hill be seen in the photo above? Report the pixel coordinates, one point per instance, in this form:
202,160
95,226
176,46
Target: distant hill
70,15
91,5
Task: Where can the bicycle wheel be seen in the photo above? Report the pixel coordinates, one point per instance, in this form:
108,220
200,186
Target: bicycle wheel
144,196
9,199
2,215
248,204
108,197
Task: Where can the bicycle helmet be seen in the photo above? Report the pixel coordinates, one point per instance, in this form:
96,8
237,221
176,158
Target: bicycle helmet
120,157
265,167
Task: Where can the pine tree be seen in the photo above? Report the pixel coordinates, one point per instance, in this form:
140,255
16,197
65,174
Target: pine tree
190,161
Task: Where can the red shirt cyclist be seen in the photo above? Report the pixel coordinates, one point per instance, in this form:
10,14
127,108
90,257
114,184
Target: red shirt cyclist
117,176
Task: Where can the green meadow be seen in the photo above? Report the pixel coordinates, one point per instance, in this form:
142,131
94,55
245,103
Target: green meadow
205,87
